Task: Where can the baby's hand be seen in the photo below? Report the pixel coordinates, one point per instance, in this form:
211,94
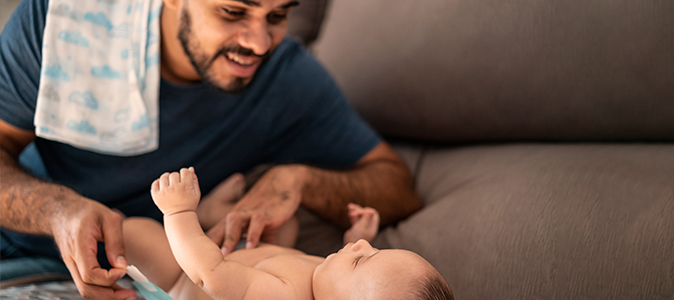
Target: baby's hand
364,224
176,192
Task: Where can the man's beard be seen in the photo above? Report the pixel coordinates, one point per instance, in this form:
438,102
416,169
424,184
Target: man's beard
202,63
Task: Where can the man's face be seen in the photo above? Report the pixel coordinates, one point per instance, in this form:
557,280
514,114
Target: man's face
227,40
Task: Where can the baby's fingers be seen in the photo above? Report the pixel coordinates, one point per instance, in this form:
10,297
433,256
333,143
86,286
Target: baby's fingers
174,178
375,218
164,180
354,207
155,186
186,176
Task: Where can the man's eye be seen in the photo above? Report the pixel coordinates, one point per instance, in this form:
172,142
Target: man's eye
275,18
234,13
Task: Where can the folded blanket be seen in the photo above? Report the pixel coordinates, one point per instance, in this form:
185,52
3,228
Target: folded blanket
99,82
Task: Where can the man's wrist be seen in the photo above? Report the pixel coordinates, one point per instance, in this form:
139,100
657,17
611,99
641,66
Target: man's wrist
65,208
301,175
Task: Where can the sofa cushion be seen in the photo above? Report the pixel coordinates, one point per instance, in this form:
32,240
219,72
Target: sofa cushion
546,221
306,20
491,70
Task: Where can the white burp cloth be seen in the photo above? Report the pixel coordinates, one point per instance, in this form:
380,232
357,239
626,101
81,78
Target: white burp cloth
99,81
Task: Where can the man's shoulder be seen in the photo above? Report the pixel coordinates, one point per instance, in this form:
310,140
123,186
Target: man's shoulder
21,49
293,57
295,68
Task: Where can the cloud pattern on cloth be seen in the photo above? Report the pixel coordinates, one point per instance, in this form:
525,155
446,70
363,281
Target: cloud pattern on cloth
103,57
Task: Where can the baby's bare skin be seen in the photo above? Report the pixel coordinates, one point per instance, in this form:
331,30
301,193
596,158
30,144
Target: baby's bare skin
149,250
293,265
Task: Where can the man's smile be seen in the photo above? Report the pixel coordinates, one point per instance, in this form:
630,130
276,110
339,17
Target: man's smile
242,66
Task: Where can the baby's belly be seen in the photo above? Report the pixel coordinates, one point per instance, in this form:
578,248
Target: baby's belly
185,289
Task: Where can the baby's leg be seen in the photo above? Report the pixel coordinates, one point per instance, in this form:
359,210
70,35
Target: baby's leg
364,224
220,201
286,235
148,249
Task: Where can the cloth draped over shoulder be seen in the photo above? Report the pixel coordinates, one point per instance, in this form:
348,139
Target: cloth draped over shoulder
99,80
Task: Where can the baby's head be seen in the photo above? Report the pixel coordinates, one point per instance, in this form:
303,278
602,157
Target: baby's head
359,271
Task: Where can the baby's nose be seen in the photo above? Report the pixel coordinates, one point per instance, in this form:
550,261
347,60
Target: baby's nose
361,245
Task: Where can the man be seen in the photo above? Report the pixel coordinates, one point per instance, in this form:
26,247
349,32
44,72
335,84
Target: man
234,93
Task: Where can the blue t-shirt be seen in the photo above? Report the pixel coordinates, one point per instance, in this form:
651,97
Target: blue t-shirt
292,111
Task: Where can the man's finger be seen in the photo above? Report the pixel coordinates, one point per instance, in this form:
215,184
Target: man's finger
255,229
89,291
233,232
114,241
84,258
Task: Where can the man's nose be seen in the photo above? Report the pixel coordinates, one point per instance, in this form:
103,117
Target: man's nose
256,37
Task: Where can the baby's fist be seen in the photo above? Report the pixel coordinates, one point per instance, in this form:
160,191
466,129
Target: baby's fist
176,192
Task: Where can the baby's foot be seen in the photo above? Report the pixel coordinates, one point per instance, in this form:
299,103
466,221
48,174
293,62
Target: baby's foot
215,206
364,224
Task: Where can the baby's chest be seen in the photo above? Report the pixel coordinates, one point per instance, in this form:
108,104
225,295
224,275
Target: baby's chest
292,270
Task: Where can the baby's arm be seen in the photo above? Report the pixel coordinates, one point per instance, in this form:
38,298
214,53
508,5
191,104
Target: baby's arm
177,196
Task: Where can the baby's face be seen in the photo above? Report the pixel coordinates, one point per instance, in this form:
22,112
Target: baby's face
359,271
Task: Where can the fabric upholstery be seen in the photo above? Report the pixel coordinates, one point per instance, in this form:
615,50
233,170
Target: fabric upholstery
306,20
490,70
584,221
537,221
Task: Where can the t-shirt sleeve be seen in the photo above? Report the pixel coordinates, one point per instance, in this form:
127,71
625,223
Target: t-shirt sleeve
20,57
330,132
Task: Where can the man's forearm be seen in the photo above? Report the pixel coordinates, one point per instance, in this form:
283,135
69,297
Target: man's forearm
27,204
383,184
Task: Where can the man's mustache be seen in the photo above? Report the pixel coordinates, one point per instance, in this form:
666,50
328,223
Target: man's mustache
239,51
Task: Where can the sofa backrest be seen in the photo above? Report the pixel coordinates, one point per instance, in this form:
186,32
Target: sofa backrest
493,70
306,20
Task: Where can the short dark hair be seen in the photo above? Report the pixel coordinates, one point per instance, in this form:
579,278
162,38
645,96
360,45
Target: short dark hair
432,287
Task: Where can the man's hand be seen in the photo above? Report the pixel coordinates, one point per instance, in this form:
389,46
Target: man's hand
78,227
176,192
380,180
77,223
272,201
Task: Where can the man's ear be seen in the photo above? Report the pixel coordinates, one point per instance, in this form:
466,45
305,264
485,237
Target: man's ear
172,4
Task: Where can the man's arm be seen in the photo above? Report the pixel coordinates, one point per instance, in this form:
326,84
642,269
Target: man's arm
32,206
379,180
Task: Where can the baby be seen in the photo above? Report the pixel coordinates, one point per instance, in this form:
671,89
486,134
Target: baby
189,265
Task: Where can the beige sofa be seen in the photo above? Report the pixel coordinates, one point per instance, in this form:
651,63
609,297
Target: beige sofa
540,134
